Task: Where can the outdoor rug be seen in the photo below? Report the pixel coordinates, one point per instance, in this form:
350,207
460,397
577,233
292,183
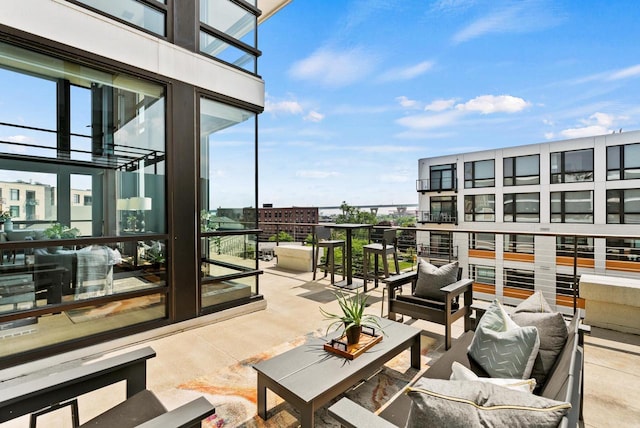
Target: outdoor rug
233,390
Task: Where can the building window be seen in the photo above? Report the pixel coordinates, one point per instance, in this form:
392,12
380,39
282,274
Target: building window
483,274
88,200
482,241
519,278
14,194
149,15
564,284
76,199
522,207
571,167
479,174
623,206
572,207
442,209
521,170
228,32
623,162
440,246
479,208
568,246
626,249
517,243
442,177
14,210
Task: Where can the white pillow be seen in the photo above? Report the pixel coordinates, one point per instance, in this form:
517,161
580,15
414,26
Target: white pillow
501,347
460,372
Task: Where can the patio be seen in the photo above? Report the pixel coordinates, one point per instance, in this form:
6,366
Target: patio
611,394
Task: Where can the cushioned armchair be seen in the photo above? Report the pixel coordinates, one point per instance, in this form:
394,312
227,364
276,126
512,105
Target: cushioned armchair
434,296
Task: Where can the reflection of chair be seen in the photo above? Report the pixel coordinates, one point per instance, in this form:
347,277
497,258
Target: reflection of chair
388,246
323,240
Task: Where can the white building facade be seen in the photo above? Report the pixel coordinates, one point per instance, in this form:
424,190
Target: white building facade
513,217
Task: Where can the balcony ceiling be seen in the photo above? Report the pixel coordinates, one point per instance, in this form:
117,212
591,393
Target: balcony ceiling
270,7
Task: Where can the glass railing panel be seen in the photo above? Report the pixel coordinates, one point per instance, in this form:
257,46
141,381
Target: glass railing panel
133,12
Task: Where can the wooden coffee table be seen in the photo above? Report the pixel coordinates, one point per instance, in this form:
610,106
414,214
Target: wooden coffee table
307,377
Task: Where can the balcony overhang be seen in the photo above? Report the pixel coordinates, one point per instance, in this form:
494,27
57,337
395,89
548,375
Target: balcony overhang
269,8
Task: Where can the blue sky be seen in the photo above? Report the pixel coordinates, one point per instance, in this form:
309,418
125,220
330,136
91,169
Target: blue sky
358,90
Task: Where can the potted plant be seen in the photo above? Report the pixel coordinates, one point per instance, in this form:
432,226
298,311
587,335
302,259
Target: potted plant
5,219
59,231
352,318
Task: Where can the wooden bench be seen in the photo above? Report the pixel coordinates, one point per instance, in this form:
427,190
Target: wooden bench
36,392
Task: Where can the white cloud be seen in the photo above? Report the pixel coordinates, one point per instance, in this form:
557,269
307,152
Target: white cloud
334,68
387,149
429,121
395,178
549,135
633,71
316,174
586,131
599,119
291,107
487,104
406,73
22,139
407,103
440,105
314,116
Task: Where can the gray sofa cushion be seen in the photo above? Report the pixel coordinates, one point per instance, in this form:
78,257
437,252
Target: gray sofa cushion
447,403
534,303
432,278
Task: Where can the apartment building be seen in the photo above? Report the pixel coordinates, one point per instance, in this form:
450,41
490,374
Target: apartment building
288,216
126,100
579,197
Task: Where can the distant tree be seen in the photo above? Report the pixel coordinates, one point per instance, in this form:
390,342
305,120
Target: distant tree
281,237
406,221
354,215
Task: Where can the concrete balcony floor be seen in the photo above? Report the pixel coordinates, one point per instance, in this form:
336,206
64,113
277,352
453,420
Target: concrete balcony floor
612,380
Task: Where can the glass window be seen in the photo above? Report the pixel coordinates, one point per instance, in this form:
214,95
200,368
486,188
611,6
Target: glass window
228,33
482,241
479,208
623,206
519,278
228,202
572,207
483,274
479,174
522,207
572,166
625,249
15,211
133,12
623,162
517,243
15,194
583,245
564,284
521,170
442,210
442,177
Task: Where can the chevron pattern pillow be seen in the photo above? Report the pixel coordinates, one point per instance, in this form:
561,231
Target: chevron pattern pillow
501,347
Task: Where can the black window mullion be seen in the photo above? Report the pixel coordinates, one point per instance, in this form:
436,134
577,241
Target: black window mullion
230,40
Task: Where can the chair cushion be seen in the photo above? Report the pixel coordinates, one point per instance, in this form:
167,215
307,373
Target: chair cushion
501,347
450,403
140,408
460,372
552,330
431,279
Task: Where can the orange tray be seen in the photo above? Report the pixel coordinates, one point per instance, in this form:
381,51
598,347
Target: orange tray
340,347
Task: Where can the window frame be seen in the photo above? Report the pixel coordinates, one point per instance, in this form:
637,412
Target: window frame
471,181
475,239
619,172
519,246
475,277
560,176
512,179
515,213
470,208
621,210
450,167
563,213
520,274
584,248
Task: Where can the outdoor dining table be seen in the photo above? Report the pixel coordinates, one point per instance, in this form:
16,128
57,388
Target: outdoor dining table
348,283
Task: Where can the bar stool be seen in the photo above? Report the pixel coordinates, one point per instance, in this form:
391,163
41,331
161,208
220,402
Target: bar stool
388,246
323,240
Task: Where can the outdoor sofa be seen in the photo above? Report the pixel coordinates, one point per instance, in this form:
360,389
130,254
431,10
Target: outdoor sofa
562,383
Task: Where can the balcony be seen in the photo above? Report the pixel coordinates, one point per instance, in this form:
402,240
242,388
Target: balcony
425,185
437,217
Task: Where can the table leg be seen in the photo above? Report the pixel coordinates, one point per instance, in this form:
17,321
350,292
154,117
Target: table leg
415,353
306,416
262,398
349,259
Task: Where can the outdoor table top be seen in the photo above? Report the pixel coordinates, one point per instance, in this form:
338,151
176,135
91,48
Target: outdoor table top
308,371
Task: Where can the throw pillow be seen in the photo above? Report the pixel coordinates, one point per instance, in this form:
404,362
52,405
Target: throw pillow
460,372
501,347
534,303
447,403
431,279
552,331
